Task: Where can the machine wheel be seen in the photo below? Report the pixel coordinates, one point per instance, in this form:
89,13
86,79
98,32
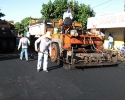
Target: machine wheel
55,52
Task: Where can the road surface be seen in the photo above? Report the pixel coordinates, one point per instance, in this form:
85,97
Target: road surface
19,80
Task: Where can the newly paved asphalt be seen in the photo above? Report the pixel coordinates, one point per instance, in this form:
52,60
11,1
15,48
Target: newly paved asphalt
19,80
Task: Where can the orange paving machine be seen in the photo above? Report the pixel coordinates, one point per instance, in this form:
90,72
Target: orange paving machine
76,48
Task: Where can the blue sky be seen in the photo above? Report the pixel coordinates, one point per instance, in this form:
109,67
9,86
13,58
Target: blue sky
19,9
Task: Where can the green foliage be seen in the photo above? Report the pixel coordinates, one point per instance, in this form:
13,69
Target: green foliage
25,21
19,27
54,11
1,14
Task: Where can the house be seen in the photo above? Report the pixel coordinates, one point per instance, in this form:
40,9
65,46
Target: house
112,23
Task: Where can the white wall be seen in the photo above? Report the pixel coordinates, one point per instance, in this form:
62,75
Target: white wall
37,29
116,20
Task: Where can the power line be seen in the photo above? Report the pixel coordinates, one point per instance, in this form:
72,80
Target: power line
102,3
108,6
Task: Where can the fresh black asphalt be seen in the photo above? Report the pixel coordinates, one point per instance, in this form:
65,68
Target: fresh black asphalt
19,80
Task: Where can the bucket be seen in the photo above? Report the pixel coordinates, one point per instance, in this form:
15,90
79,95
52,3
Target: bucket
55,30
73,32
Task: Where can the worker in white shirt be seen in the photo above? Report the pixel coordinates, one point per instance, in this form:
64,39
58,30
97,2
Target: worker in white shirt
111,39
67,14
45,44
24,42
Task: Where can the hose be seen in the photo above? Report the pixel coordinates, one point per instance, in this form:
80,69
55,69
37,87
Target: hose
95,47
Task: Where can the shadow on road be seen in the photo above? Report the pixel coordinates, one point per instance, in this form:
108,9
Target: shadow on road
90,67
54,67
8,56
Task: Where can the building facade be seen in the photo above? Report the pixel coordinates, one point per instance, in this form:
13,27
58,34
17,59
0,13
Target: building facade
113,23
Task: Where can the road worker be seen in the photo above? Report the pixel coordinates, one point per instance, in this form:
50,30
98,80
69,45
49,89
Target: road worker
44,45
68,13
24,42
111,40
67,18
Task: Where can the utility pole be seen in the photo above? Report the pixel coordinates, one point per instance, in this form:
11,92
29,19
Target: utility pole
123,10
123,5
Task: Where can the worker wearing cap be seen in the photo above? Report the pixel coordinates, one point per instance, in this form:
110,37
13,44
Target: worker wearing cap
45,44
24,42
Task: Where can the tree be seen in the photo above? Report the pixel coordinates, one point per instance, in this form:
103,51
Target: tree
20,27
1,14
54,11
25,21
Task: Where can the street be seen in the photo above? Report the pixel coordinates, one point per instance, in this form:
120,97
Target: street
19,80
